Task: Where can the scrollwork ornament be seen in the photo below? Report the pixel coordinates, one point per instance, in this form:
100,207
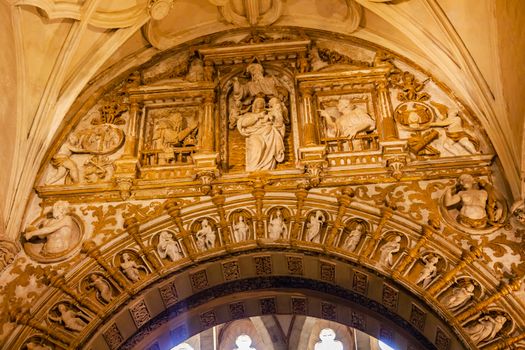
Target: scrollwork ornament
8,251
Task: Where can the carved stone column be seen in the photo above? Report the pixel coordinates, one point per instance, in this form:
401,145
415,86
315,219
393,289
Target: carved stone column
370,244
127,166
311,152
219,199
344,202
413,252
206,158
394,150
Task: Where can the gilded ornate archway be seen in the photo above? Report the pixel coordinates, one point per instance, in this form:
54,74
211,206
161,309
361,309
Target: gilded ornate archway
278,171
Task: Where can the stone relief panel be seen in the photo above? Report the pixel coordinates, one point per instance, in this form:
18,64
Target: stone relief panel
347,123
259,119
170,135
428,268
488,327
460,294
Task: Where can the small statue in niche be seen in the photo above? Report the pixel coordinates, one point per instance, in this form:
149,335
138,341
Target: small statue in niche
240,230
168,247
206,237
313,227
66,169
347,120
459,296
461,140
60,232
102,286
328,342
264,132
277,227
72,320
429,271
196,70
486,328
130,268
353,238
478,207
388,250
243,342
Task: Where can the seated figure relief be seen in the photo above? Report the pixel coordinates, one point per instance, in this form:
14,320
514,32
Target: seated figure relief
347,120
205,236
168,247
486,328
56,235
71,319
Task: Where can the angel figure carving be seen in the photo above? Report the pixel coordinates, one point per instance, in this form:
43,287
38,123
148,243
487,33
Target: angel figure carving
168,247
313,227
69,318
277,227
346,120
456,139
429,271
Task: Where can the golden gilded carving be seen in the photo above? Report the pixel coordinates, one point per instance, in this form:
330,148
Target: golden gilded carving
352,157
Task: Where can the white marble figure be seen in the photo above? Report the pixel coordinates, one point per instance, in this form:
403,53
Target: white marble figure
244,342
354,237
66,169
328,342
459,296
240,230
102,286
473,202
264,132
168,247
277,227
69,318
34,346
347,120
313,228
486,328
130,267
429,271
58,231
205,236
258,85
388,250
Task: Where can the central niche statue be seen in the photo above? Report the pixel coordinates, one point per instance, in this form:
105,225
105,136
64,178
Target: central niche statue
328,342
257,109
